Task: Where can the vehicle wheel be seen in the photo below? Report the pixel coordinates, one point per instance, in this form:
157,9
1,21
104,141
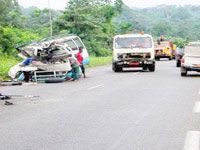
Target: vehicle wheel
144,68
170,58
152,68
116,68
157,58
183,71
178,64
54,80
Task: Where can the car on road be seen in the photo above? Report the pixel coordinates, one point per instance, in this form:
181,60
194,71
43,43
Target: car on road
179,55
133,50
191,58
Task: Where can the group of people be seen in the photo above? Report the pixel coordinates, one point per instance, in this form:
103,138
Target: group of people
76,64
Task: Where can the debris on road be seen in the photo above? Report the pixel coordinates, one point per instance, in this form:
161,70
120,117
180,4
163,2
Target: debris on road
8,103
9,97
10,83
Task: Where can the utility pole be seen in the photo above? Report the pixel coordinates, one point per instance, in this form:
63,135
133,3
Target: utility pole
50,20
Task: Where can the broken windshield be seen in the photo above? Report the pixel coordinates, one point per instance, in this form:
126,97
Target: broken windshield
133,42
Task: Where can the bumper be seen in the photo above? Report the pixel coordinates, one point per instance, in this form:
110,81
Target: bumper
163,56
129,64
191,68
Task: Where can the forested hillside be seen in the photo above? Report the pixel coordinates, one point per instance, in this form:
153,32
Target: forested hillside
173,21
96,22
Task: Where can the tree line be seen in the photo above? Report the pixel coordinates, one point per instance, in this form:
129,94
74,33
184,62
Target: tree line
96,22
89,19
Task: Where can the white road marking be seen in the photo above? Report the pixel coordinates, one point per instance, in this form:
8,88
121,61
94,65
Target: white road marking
192,140
94,87
196,108
199,92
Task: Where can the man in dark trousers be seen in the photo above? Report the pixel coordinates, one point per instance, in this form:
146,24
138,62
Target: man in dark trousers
80,60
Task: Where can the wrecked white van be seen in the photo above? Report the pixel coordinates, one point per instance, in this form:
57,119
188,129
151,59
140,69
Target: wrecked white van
49,55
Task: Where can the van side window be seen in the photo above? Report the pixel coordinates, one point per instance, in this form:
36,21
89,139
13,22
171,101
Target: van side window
72,45
78,43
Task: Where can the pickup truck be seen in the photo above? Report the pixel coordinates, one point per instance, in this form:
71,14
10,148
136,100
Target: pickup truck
191,58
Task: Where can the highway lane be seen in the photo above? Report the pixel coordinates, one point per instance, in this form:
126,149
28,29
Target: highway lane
132,110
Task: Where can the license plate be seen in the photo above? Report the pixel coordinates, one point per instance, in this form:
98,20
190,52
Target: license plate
134,63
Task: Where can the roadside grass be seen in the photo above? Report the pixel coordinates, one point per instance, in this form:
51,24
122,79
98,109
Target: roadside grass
99,61
6,62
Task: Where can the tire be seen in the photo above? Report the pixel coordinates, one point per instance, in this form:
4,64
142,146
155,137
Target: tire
54,80
152,68
178,63
183,71
170,58
116,68
144,68
157,58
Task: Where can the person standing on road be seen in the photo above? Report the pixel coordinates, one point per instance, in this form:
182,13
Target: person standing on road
80,60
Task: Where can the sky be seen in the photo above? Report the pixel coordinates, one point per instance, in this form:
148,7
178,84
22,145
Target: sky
60,4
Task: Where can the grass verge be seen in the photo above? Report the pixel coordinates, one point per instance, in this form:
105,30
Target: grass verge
6,62
99,61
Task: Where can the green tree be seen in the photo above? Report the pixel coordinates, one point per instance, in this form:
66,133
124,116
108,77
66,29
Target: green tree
10,13
92,21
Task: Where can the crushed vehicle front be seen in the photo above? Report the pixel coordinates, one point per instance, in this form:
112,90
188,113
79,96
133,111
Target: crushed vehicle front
48,56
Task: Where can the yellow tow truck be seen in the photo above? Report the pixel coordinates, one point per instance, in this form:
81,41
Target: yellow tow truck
164,49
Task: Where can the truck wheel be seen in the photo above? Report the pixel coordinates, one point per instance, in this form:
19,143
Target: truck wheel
54,80
152,68
116,68
178,64
183,71
144,68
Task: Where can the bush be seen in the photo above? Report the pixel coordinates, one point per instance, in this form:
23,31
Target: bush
102,52
97,49
11,37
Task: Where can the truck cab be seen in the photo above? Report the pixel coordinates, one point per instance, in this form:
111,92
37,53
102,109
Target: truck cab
133,50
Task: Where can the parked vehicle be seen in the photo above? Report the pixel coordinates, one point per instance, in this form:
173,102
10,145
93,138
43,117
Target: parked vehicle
50,56
133,50
191,58
179,55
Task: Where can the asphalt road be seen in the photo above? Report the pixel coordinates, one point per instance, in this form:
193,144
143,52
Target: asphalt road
132,110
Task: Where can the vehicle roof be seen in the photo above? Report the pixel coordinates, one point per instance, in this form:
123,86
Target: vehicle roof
132,35
60,37
194,44
193,49
50,39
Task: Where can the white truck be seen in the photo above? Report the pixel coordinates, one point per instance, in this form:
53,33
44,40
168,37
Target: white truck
133,50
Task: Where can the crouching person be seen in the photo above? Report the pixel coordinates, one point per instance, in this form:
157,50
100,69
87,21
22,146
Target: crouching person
75,68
